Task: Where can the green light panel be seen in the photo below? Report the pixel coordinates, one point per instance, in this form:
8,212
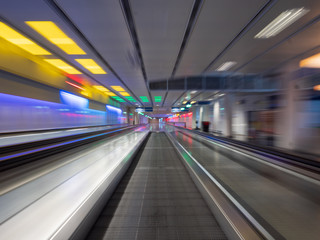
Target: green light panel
131,99
157,98
144,99
119,99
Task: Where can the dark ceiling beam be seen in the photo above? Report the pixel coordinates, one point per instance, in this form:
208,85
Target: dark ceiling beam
191,23
126,9
192,20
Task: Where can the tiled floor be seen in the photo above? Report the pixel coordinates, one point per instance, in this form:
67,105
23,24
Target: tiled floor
157,200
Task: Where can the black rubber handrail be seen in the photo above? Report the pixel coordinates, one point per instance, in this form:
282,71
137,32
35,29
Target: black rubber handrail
299,161
15,159
23,146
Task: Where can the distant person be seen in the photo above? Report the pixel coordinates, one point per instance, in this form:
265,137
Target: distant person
197,128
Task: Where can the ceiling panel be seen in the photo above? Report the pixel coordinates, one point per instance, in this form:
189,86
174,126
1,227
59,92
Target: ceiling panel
248,47
218,23
204,96
160,27
172,97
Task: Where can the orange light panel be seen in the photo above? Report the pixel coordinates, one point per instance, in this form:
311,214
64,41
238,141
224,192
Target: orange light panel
311,62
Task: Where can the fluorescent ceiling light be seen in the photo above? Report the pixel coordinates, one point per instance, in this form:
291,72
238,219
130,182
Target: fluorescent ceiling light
311,62
101,88
184,102
193,102
91,65
55,35
284,20
21,41
118,88
192,92
225,66
58,63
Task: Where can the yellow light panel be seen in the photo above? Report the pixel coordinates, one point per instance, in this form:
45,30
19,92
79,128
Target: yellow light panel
118,88
21,41
101,88
54,34
58,63
316,88
124,93
311,62
111,94
91,65
85,93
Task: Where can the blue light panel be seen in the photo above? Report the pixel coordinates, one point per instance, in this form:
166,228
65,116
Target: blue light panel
73,100
114,109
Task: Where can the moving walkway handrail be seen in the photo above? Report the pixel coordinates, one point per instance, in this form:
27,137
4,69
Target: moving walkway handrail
17,155
298,161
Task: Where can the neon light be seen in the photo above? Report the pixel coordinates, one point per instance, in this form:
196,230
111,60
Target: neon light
75,85
73,100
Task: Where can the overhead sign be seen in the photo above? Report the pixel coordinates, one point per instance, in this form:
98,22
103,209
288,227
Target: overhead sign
148,109
139,109
203,102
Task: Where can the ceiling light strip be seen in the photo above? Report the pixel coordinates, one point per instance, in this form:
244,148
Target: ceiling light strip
226,66
21,41
58,63
284,20
55,35
91,65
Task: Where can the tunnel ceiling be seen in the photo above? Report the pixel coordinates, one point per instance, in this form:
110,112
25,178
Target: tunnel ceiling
138,42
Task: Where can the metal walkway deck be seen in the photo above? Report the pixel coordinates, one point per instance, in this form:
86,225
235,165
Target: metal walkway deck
156,199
